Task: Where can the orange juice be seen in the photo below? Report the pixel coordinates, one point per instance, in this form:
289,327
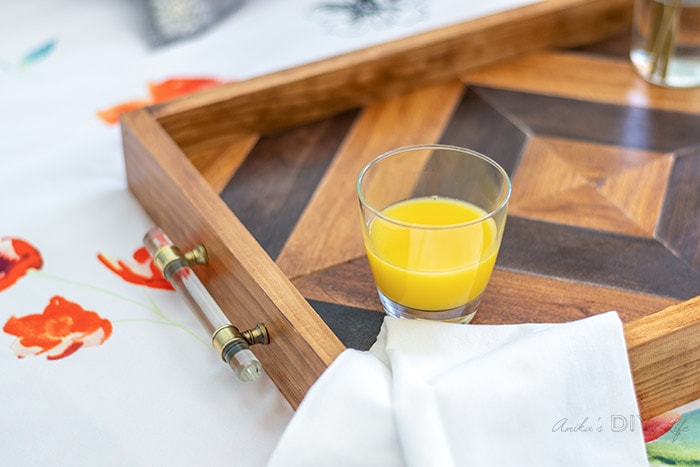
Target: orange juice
435,257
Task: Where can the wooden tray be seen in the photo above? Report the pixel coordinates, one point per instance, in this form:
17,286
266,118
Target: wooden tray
605,212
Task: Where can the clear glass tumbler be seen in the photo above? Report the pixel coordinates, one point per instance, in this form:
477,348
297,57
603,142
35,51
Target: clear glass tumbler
433,219
665,48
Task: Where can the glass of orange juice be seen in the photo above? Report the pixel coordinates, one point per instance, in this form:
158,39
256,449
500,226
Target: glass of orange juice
433,219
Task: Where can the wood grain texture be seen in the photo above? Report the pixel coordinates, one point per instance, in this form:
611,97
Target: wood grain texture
594,78
356,328
241,277
617,46
557,300
272,187
549,299
596,257
478,125
639,191
605,187
384,125
604,214
592,210
680,217
349,284
351,80
625,126
664,351
218,163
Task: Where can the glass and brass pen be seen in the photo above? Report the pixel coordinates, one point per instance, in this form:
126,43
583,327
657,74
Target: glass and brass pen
232,344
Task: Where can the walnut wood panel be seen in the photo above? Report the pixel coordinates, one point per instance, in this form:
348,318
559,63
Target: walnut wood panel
630,263
622,125
680,218
357,328
483,127
605,210
274,184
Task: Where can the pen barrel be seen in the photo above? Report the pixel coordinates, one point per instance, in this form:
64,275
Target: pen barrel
226,338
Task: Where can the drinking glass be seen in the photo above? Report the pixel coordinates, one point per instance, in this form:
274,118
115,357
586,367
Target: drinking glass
665,46
432,219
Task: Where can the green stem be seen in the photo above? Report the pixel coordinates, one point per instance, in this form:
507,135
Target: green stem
89,287
152,306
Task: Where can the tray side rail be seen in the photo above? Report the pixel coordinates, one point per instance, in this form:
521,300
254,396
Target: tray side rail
242,278
664,353
319,89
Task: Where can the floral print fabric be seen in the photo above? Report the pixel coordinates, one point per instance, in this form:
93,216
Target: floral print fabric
64,327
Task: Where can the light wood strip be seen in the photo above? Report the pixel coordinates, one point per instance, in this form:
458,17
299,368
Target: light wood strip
583,206
218,163
595,161
329,231
515,297
664,351
639,192
586,77
543,172
591,185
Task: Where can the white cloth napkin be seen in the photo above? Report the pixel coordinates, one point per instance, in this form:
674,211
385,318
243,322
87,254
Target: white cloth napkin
431,393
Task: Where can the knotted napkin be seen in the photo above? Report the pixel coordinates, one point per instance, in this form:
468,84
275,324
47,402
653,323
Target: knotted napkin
432,393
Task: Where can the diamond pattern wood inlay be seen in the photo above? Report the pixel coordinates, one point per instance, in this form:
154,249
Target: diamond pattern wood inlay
605,210
591,185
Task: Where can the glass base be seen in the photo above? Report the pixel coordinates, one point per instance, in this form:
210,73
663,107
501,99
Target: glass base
461,314
682,72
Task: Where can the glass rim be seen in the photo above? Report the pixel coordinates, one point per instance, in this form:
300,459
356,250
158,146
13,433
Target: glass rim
489,214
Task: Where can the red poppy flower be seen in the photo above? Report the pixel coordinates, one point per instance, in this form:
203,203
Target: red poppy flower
111,115
176,87
16,258
655,427
59,331
143,272
161,91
